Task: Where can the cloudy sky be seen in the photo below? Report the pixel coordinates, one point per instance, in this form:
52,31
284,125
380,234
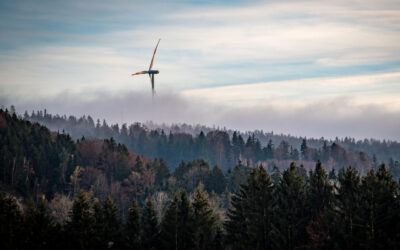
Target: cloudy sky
308,68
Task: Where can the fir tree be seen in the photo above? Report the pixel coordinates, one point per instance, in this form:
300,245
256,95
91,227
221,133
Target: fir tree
304,150
290,217
81,224
379,203
150,226
39,227
250,218
169,236
205,221
186,224
111,224
348,211
319,193
10,223
132,227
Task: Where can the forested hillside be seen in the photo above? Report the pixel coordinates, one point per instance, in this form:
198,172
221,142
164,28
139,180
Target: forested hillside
224,148
96,194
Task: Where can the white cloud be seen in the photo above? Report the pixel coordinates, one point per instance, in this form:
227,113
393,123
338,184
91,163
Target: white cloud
376,89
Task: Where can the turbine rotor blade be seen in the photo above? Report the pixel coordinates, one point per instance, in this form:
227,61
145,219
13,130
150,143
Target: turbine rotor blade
154,53
139,73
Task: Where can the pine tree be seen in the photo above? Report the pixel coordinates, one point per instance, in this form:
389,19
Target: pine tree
205,221
81,225
250,218
347,209
132,227
169,236
304,150
259,207
186,224
319,201
290,217
216,181
150,226
10,223
379,192
269,150
320,192
39,227
98,225
236,226
111,224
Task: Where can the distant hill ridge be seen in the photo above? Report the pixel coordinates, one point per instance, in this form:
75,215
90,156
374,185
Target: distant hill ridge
218,146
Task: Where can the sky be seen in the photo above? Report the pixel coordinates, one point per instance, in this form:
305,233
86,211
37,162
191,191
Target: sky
306,68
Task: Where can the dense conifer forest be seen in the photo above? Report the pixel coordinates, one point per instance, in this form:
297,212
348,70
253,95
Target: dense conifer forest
134,188
225,147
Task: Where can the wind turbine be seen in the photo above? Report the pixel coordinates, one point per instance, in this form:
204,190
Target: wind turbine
151,72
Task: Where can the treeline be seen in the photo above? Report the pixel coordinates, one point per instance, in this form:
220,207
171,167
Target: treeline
295,210
384,150
225,148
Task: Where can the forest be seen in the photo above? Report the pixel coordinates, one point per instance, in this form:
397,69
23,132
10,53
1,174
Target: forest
133,188
225,147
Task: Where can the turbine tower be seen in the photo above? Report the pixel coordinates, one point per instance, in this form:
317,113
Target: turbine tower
151,71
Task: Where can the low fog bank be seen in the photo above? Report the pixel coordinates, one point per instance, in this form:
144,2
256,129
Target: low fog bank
335,117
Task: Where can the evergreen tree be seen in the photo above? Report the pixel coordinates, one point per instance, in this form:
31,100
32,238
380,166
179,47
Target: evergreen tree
347,208
111,224
169,236
290,217
304,150
205,221
320,192
81,224
249,222
39,227
379,192
319,202
259,208
216,181
269,150
10,223
150,226
132,227
186,224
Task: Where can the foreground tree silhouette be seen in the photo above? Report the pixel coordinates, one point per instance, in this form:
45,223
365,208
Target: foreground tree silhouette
81,225
379,203
186,223
132,227
319,203
40,231
347,209
290,217
250,218
169,236
205,221
150,226
107,225
10,222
